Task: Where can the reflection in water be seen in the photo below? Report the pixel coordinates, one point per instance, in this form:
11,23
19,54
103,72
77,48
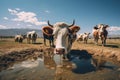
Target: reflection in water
64,71
63,68
47,66
49,60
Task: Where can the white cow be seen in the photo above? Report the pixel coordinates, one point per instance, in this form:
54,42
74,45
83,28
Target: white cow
64,35
31,36
83,37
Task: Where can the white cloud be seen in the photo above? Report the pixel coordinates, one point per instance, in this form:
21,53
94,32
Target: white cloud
18,24
47,11
13,12
5,18
28,17
3,27
18,9
29,25
113,28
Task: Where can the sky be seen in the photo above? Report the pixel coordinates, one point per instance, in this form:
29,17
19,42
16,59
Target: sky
34,14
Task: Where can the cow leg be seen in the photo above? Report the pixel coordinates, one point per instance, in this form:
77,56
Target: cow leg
44,41
96,41
33,41
66,57
28,40
85,41
50,43
104,42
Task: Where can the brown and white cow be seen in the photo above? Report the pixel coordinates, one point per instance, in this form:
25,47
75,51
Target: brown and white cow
100,31
83,37
47,34
79,37
64,35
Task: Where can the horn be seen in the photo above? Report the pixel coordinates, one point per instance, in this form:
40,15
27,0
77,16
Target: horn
72,23
49,24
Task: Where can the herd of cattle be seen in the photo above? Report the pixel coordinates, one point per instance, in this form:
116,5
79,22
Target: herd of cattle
64,35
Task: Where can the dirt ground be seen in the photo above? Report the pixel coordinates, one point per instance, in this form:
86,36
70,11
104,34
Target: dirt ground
79,67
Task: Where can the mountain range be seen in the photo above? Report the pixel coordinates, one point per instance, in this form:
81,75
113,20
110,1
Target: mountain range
13,32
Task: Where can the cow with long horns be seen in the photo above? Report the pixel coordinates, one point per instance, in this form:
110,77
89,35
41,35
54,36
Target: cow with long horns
64,36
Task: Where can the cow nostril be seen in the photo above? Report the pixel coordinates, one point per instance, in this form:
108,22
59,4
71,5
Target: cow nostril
60,51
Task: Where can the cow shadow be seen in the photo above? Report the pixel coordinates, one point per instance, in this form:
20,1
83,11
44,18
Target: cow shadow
86,63
112,46
37,43
82,60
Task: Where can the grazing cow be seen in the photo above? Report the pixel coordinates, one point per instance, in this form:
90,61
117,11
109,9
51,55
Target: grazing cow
19,38
64,35
31,36
83,37
100,31
47,34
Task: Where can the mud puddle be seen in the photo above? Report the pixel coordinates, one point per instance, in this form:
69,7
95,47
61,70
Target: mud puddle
47,66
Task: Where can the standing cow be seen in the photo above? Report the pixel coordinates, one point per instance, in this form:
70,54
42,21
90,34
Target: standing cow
31,36
47,34
19,38
100,31
64,35
83,37
86,37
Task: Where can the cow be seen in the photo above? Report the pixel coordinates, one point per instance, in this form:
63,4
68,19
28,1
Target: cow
31,36
19,38
86,37
79,37
47,34
64,36
100,31
83,37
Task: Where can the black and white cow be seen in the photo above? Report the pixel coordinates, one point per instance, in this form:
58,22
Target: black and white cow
19,38
31,36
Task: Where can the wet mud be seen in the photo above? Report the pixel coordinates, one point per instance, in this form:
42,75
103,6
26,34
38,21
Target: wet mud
38,64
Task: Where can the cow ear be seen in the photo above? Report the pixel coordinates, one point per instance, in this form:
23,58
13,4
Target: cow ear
47,30
106,26
74,29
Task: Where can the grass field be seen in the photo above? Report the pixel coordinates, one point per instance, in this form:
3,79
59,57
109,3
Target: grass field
8,43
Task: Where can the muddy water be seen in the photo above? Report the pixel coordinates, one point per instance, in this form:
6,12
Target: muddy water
47,66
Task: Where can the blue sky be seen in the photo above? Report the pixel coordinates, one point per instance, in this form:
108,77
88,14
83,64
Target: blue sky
35,13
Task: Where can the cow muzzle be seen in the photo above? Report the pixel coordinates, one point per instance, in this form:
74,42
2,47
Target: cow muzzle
59,51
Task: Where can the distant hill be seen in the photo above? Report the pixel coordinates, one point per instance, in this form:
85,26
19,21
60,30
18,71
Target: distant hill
13,32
